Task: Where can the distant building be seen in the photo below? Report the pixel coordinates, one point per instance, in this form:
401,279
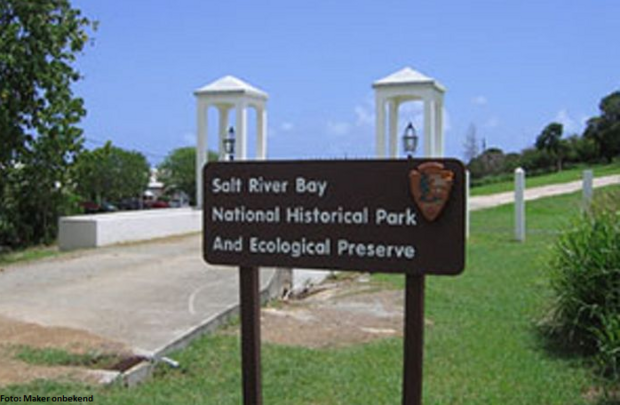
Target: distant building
155,188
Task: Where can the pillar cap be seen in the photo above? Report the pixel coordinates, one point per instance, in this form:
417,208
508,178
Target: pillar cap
408,76
230,85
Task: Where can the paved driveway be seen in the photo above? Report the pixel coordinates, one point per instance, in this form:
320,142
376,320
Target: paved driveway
493,200
146,295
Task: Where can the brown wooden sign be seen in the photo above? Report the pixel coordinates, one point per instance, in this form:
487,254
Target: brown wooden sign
395,216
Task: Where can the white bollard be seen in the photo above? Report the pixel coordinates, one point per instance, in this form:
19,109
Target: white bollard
519,204
588,177
467,204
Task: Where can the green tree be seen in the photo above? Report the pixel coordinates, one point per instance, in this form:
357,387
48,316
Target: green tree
536,161
178,171
39,114
550,140
604,130
111,174
580,149
489,163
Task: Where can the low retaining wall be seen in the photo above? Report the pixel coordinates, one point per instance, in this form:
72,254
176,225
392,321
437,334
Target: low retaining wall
279,284
89,231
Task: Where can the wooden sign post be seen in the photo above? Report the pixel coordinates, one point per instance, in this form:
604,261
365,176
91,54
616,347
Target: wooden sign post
392,216
249,297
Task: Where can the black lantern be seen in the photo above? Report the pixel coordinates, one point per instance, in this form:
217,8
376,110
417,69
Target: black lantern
229,144
410,140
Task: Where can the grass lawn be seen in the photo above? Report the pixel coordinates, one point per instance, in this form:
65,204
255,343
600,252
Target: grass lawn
60,357
25,255
564,176
482,347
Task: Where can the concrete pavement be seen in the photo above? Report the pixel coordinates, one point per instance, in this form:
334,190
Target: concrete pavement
493,200
147,295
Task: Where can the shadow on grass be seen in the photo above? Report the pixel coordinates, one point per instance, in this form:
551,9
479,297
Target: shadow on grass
557,347
609,401
605,391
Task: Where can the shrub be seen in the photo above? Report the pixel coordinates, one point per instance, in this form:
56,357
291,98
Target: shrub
537,161
581,150
585,279
511,162
489,163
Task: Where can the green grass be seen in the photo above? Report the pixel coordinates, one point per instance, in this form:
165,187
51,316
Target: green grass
29,254
482,347
564,176
59,357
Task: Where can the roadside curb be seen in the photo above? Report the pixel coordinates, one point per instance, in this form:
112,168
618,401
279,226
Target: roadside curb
280,282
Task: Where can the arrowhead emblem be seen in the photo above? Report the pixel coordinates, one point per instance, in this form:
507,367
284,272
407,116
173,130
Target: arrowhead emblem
431,185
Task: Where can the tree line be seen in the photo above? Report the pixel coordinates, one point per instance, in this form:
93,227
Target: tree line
112,174
599,142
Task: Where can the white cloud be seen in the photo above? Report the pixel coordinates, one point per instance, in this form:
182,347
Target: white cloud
408,112
569,123
363,123
287,126
492,122
189,138
365,112
365,116
411,108
338,128
479,100
411,112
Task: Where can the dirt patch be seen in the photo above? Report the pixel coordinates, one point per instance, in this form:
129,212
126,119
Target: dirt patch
336,314
14,334
602,395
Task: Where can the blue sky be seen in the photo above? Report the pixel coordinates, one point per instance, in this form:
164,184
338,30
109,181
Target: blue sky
510,67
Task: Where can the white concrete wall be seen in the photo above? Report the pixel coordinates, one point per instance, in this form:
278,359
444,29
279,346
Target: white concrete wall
77,232
88,231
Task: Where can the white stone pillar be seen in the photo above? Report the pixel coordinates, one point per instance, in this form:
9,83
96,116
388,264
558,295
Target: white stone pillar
201,148
429,128
380,129
241,133
223,131
467,208
261,133
439,139
588,177
393,127
519,204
